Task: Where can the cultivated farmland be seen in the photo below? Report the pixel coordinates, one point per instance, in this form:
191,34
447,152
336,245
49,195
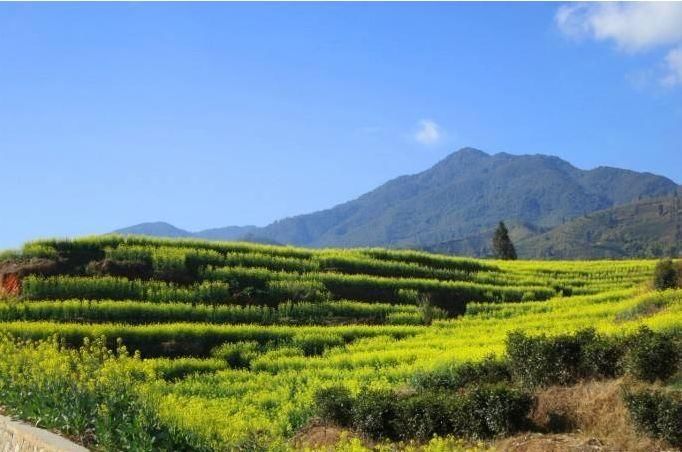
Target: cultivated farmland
137,343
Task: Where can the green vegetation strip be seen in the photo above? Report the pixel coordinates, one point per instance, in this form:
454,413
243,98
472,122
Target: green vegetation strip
141,312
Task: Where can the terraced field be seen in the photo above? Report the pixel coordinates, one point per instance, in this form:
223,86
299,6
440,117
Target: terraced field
235,339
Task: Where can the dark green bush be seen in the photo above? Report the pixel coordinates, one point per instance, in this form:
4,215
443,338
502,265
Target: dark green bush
238,355
455,376
541,361
652,356
656,412
375,412
665,275
315,343
480,412
495,411
335,404
421,416
126,269
600,357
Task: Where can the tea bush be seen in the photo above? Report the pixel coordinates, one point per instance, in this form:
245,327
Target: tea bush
480,412
665,275
335,404
652,356
456,376
657,412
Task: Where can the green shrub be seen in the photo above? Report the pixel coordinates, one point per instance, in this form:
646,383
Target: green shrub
408,296
652,356
296,291
374,413
237,355
335,404
457,376
656,412
494,410
481,412
315,343
542,361
665,275
600,357
421,416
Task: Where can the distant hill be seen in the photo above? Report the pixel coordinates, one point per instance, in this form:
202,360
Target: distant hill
648,228
459,201
161,229
479,245
158,228
465,194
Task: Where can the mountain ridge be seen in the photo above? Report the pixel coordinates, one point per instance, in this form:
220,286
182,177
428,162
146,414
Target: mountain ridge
461,196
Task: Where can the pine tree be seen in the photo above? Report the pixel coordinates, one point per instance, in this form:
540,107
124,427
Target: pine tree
502,244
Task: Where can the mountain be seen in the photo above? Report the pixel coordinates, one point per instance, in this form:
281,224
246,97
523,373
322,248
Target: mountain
161,229
467,193
158,228
479,245
229,233
460,200
647,228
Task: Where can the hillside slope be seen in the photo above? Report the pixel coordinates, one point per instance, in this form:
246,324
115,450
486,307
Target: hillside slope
463,196
466,193
233,342
648,228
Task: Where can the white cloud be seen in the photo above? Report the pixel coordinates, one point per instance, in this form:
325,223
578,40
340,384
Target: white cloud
632,26
673,63
429,132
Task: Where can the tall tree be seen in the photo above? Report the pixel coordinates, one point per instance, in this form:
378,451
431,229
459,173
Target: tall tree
502,244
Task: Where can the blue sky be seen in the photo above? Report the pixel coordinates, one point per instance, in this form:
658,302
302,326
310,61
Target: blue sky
208,115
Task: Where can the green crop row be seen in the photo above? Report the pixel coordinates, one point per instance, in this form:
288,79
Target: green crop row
240,285
191,339
88,249
67,287
450,295
139,312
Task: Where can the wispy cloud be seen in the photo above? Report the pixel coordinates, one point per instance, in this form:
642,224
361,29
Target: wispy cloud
674,67
429,132
633,27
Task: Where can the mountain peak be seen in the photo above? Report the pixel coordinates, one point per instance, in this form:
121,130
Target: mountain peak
461,196
470,152
154,228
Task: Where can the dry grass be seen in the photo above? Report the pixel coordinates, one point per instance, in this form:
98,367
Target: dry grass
319,436
538,442
593,410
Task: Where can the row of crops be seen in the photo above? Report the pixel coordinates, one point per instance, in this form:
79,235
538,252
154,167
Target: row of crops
136,268
236,338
